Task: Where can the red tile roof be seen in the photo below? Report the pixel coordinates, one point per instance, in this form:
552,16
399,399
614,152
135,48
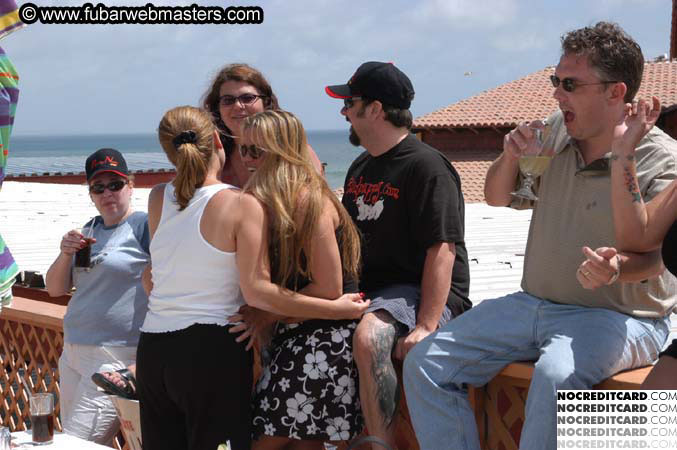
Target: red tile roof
472,166
530,98
472,175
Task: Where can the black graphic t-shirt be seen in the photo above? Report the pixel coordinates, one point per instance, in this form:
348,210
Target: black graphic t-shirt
404,202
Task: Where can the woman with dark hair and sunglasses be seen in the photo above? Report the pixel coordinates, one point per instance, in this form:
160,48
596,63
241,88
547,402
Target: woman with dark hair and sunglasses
237,92
645,227
102,321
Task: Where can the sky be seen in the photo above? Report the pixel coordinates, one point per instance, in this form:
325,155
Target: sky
119,79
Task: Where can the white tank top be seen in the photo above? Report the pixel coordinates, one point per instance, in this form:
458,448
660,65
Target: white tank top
193,281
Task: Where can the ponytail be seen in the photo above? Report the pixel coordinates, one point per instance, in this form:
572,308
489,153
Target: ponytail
186,136
190,173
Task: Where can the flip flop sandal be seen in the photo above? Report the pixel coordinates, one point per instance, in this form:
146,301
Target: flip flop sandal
127,391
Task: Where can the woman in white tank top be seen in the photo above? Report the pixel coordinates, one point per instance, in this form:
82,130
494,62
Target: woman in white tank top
194,379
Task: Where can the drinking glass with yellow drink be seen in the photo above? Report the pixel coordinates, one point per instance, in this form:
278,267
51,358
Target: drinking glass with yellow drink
534,160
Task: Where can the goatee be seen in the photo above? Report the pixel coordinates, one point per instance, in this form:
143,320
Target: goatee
354,138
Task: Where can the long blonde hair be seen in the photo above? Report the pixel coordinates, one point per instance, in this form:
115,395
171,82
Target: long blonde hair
186,134
286,182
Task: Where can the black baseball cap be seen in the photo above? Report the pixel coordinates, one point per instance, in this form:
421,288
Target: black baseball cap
379,81
106,160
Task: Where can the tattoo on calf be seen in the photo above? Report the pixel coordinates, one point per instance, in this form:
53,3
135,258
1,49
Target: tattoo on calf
631,185
382,370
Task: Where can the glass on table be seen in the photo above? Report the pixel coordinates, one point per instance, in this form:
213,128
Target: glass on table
42,418
535,159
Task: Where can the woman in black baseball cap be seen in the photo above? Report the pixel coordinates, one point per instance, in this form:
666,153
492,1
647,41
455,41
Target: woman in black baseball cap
104,261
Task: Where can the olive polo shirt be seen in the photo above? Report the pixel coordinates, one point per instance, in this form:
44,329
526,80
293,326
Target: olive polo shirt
574,210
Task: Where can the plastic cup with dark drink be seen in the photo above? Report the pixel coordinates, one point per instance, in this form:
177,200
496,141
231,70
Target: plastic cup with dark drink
83,257
42,418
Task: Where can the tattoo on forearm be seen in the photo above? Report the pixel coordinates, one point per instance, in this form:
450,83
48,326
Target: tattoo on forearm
615,157
631,185
387,393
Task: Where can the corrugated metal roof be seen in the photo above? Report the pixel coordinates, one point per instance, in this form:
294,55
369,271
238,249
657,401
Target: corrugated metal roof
75,164
34,217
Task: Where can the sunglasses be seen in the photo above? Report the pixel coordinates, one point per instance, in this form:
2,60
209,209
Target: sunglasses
244,99
253,151
350,102
113,186
570,85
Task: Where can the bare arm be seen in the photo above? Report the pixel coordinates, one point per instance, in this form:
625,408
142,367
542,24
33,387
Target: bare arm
314,159
639,227
155,201
325,258
600,266
637,267
327,281
435,285
502,174
58,279
147,279
260,292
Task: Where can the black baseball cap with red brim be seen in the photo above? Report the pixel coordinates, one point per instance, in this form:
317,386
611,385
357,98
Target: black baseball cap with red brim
106,160
378,81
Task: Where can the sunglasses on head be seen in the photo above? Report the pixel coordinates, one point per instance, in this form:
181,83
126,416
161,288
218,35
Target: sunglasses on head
570,85
252,151
244,99
350,101
113,186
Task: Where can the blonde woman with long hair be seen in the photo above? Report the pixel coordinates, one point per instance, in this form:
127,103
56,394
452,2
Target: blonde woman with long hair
208,247
308,391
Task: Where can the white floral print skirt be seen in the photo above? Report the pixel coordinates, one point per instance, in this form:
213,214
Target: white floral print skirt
309,386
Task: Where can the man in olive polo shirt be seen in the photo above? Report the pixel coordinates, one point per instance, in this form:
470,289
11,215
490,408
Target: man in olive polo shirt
577,335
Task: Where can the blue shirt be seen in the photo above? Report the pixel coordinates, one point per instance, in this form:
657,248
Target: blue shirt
109,304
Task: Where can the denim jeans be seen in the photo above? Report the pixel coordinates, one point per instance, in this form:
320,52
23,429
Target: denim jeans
85,411
574,347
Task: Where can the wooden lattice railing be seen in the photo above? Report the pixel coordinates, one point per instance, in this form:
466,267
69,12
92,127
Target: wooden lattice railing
501,417
31,341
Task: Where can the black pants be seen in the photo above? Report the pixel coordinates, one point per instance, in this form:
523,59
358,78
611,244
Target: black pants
194,386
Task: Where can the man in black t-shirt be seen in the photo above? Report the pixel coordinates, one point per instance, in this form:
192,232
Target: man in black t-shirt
405,197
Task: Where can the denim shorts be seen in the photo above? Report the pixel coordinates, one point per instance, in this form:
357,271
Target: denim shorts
401,302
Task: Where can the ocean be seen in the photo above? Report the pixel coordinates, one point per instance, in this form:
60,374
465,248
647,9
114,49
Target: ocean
42,154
